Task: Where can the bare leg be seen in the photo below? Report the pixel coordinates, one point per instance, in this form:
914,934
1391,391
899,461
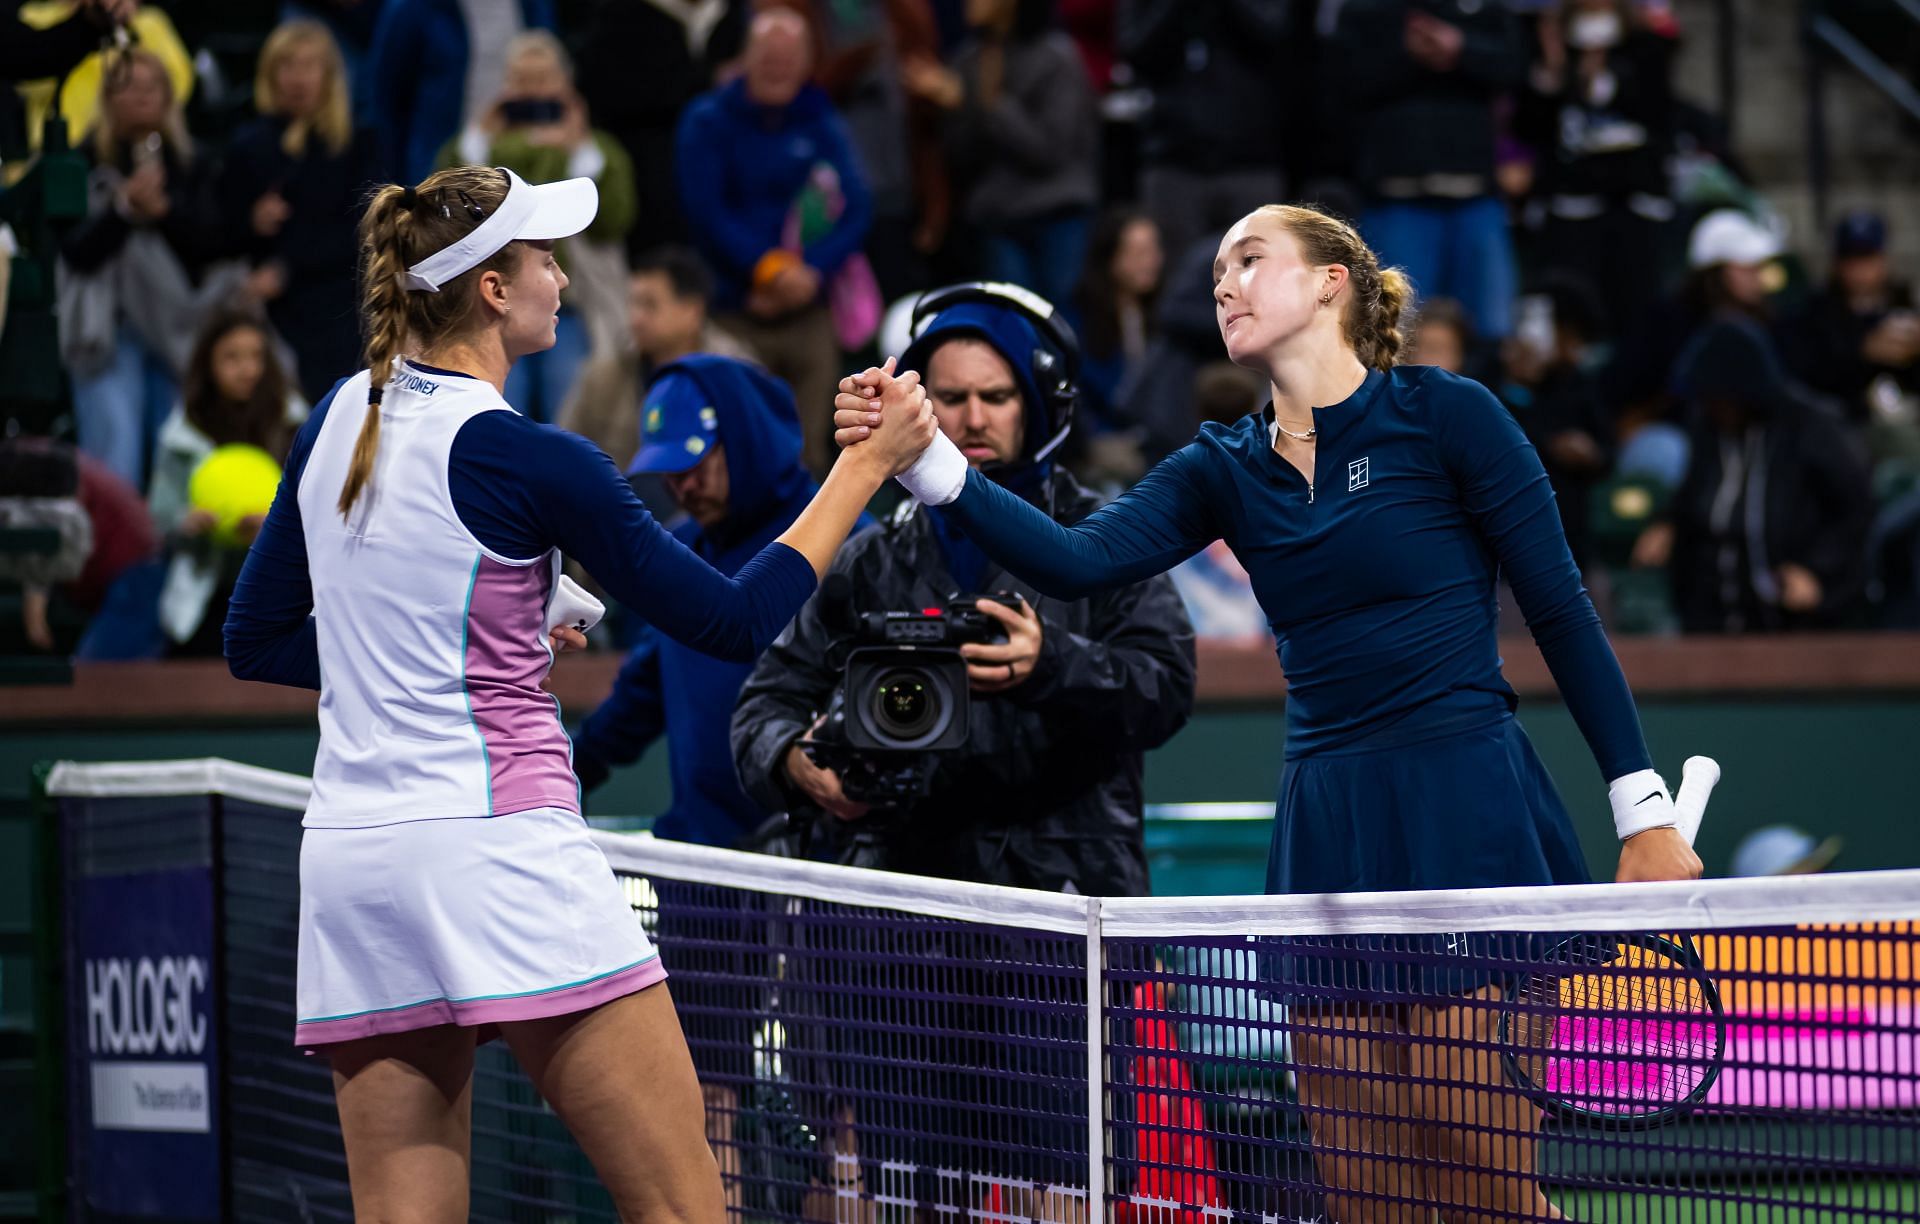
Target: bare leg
406,1115
1349,1078
1060,1207
620,1077
1482,1128
723,1110
843,1198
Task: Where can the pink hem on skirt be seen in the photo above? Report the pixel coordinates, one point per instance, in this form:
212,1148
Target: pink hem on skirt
485,1012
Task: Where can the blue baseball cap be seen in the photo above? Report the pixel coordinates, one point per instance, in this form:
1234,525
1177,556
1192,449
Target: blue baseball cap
1860,233
678,425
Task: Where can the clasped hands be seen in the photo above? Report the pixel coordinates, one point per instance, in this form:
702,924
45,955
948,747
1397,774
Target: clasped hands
884,417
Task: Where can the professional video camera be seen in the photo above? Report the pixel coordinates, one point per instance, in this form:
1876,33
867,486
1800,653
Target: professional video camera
902,699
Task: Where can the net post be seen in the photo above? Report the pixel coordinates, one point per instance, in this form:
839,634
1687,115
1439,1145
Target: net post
51,1087
1096,1067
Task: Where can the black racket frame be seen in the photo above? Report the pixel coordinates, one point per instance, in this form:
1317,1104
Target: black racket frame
1682,952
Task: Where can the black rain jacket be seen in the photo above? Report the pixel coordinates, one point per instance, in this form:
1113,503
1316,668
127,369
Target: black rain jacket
1047,791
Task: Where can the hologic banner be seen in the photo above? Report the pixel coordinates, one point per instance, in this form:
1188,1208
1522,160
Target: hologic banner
142,1044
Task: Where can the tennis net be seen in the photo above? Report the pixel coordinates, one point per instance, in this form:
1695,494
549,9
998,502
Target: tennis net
876,1047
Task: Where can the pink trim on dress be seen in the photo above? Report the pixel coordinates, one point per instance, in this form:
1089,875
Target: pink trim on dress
529,759
536,1005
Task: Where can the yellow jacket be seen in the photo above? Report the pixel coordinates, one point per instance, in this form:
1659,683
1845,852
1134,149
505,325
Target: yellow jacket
80,100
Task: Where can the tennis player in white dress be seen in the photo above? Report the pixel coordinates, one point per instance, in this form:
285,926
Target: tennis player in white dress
449,890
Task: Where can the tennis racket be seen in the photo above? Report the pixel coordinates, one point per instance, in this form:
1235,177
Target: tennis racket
1620,1030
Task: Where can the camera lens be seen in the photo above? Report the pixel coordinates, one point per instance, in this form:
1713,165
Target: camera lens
905,703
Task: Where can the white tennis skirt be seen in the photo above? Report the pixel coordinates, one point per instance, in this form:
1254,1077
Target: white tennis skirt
465,921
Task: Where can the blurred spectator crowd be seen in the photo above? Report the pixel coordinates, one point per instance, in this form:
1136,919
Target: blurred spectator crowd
1728,412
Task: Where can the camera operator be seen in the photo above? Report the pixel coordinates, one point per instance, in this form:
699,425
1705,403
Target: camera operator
725,437
1042,791
1045,790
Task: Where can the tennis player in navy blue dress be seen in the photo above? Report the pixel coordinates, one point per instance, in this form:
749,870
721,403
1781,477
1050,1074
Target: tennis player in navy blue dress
1373,506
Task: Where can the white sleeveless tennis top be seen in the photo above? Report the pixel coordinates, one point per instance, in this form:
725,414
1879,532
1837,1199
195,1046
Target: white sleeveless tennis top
432,648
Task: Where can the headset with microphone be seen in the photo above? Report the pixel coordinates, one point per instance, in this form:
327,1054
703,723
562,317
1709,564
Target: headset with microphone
1055,364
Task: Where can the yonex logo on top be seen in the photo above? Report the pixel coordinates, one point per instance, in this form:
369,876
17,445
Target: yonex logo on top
409,381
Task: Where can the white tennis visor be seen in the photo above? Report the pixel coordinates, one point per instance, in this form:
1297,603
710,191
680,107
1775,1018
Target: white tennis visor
540,214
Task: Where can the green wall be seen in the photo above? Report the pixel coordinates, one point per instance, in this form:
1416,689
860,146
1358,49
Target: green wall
1841,765
1844,765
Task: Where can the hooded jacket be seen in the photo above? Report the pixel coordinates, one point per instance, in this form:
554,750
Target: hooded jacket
1047,790
741,165
1786,484
665,688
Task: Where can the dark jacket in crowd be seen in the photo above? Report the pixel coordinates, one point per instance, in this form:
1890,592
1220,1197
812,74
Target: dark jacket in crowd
1823,348
1210,68
1033,151
669,689
1046,792
1774,479
1566,400
1159,401
1413,123
316,314
638,65
1612,145
419,69
1640,377
192,227
27,54
741,167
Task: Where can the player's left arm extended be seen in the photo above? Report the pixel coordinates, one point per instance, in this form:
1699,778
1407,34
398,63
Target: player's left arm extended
1149,529
1505,489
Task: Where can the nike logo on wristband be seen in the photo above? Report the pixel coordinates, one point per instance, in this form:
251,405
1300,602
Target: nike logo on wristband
1654,795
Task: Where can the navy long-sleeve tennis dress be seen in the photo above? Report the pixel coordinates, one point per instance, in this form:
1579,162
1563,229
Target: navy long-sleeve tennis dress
1404,766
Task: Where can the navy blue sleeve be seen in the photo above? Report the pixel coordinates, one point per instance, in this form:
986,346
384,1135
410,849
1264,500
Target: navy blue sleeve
523,488
269,631
1505,489
1147,530
627,722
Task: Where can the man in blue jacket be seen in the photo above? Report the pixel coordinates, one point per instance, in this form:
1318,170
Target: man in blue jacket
723,435
776,201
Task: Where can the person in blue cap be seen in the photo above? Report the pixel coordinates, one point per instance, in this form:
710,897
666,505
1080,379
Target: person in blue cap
1858,339
723,435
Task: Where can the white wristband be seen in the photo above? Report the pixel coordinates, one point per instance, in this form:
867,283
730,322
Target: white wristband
1640,802
938,475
